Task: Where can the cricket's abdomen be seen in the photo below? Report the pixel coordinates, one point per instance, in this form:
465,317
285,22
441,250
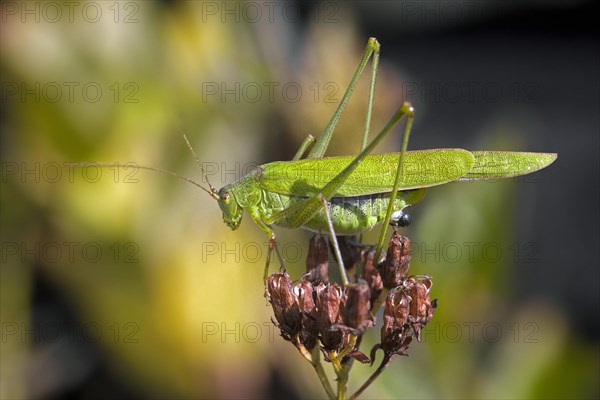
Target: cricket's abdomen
352,215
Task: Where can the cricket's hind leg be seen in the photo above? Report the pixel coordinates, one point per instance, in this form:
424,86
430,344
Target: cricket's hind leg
308,140
372,49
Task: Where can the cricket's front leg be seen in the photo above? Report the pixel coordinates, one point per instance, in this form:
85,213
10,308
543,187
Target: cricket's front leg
255,214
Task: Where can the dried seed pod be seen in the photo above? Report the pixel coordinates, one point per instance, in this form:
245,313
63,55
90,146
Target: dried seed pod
317,261
357,314
280,294
329,303
421,306
395,312
394,332
396,264
371,276
309,333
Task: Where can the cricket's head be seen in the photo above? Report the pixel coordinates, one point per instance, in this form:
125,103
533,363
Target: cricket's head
232,212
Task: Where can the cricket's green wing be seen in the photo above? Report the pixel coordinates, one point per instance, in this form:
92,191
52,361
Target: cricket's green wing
376,173
492,165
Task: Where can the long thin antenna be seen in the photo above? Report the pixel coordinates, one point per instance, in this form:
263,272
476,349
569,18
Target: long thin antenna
212,193
198,162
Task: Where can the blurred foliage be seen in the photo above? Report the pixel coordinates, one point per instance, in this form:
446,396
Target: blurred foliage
175,298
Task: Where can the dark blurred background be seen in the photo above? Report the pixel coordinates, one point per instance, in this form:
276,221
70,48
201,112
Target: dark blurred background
121,285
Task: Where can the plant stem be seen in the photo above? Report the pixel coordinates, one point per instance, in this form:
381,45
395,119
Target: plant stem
323,378
344,371
384,363
341,373
335,362
349,347
341,386
314,357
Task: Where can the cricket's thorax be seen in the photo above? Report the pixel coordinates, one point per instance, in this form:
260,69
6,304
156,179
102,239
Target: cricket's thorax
350,215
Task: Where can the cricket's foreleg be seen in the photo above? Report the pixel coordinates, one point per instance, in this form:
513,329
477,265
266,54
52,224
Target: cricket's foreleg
323,141
308,140
273,246
272,243
408,110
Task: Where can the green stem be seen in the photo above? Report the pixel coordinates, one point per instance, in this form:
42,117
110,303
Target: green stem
342,371
339,372
384,363
323,378
341,386
343,382
335,363
349,347
314,358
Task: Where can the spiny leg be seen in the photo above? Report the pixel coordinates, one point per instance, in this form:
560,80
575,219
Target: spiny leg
408,110
273,245
255,215
321,145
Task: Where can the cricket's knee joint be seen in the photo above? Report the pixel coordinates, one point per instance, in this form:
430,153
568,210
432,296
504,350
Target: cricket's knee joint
407,108
373,44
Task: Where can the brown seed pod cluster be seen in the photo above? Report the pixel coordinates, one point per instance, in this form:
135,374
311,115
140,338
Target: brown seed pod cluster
314,312
407,310
324,315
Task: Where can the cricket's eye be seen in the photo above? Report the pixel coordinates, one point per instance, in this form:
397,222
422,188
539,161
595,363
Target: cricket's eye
225,198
